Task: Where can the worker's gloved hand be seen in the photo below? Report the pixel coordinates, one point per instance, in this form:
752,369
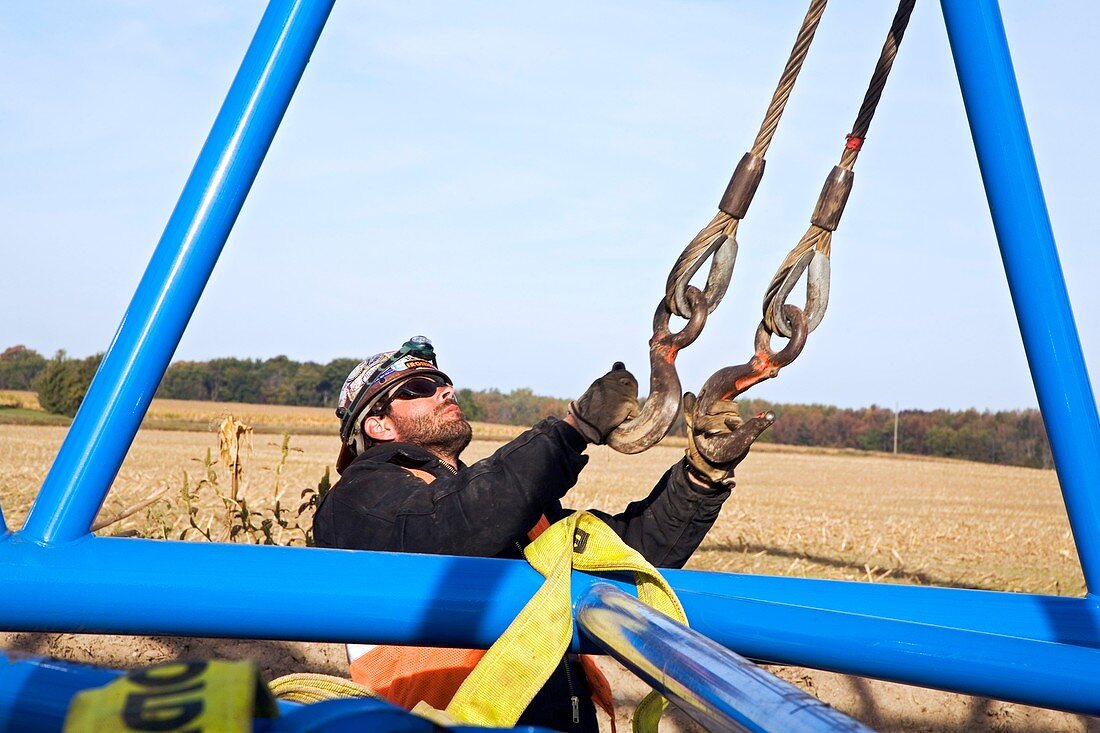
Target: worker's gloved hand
610,401
723,426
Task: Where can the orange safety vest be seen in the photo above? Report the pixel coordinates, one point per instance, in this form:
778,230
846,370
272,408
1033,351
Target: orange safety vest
405,675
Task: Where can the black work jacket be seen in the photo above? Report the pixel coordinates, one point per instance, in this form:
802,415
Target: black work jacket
486,510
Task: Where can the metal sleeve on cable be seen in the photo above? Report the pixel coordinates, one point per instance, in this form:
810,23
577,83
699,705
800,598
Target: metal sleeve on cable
834,195
742,186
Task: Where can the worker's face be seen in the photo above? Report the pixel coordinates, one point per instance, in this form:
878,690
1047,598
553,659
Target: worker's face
434,422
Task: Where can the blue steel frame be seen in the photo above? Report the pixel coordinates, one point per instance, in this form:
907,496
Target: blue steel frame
1034,649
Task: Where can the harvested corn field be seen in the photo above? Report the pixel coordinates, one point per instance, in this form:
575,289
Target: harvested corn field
830,514
798,512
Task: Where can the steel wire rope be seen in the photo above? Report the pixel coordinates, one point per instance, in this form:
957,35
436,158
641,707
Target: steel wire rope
722,229
716,240
812,253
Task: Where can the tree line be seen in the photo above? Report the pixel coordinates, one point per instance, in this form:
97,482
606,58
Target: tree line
1014,437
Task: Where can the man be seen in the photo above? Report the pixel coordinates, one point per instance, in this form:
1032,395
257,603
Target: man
403,488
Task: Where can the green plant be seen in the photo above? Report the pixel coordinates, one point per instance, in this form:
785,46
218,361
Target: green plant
64,382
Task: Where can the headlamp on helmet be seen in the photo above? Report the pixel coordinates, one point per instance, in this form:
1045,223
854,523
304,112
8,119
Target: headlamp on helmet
373,378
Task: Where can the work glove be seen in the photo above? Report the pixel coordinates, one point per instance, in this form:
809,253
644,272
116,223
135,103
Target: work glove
610,401
722,419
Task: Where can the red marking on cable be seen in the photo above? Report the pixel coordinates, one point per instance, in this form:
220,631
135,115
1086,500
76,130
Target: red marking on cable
854,143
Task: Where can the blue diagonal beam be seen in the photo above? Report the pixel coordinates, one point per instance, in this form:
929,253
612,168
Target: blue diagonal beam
1035,280
153,324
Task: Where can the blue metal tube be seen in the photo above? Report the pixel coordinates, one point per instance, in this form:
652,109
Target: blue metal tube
1031,263
137,586
129,586
1059,619
35,692
133,366
473,593
719,690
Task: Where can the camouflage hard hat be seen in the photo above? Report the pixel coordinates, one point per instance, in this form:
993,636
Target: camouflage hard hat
372,379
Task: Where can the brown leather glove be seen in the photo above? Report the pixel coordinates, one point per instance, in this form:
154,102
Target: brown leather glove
723,418
610,401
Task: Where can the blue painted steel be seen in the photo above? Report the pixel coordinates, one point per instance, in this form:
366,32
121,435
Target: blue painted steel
96,444
124,585
1030,616
454,601
1035,279
35,694
719,690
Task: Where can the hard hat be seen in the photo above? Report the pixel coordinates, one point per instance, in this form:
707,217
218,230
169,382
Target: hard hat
370,381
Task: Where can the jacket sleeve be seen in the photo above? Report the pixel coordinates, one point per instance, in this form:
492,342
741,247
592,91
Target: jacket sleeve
479,511
669,524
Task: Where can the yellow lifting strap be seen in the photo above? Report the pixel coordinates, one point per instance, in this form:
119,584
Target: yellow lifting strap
518,664
177,696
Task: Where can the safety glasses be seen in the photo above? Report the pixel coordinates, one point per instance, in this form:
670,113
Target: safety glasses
418,387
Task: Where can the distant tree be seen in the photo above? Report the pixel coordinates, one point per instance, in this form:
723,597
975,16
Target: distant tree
238,380
1009,437
186,380
276,376
306,388
64,382
471,407
19,367
332,381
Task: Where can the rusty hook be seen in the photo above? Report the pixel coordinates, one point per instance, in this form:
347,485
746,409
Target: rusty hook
663,404
728,383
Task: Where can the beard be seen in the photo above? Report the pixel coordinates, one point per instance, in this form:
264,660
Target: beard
444,433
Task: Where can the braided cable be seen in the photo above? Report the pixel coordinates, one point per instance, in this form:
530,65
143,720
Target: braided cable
788,78
698,249
815,238
878,82
720,233
717,241
819,236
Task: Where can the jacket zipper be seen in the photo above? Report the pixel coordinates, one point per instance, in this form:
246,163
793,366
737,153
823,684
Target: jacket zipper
574,701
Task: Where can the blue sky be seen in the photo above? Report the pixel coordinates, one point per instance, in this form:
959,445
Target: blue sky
515,181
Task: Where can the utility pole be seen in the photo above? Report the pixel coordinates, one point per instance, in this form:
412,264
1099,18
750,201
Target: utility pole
895,428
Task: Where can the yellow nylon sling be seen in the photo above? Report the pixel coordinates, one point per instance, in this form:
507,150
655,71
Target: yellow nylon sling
215,696
518,664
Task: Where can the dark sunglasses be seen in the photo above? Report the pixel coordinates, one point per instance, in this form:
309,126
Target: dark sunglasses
413,389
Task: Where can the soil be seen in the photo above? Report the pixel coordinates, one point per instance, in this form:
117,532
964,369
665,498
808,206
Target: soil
883,706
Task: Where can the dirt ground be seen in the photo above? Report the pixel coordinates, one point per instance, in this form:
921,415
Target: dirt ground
883,706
